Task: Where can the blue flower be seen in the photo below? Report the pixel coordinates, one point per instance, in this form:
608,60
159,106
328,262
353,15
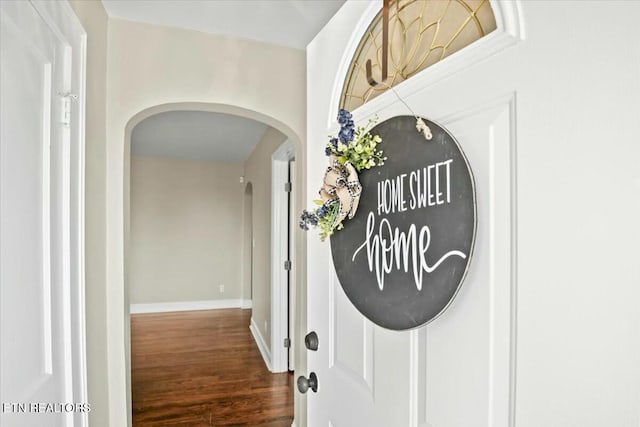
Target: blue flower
334,142
322,211
346,134
308,218
328,151
344,116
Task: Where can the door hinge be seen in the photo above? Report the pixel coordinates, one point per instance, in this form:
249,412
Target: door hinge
287,265
287,343
287,187
67,97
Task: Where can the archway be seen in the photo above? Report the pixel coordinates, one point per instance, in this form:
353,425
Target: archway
299,151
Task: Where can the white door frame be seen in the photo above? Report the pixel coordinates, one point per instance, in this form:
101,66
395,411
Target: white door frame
293,282
61,16
76,36
279,251
248,246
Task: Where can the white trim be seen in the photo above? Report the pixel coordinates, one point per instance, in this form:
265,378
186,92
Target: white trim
279,244
292,297
80,350
260,342
509,17
246,304
366,19
46,226
414,381
163,307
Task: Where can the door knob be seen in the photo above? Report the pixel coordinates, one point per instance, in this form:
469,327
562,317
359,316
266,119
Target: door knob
305,384
311,341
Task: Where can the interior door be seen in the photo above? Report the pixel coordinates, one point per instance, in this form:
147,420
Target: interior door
42,323
292,272
457,371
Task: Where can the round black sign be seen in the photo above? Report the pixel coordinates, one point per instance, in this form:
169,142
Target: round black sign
402,258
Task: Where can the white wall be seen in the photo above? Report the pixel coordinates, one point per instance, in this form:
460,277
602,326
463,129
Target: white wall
186,225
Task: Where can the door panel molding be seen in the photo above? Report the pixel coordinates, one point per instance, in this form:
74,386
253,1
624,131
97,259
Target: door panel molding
491,284
357,359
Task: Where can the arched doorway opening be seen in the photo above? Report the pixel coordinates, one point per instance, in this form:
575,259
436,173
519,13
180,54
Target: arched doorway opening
247,279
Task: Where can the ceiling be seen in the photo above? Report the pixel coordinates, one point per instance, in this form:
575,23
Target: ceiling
213,136
197,135
291,23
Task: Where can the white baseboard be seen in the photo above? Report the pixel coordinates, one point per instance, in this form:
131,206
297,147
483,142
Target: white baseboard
262,346
294,424
246,303
162,307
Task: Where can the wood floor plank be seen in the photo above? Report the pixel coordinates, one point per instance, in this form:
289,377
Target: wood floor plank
203,369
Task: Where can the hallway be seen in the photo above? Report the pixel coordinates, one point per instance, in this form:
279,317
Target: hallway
202,368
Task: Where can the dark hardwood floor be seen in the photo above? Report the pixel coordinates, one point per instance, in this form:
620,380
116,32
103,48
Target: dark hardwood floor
202,368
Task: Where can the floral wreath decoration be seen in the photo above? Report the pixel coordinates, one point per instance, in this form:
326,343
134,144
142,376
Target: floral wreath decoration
351,152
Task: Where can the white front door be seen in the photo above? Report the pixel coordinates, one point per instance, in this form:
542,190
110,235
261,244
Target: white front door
460,370
455,372
41,262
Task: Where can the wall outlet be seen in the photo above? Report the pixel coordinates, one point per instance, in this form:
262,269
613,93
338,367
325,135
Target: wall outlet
266,329
222,289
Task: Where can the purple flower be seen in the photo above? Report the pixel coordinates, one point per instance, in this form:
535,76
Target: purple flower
328,151
344,116
308,218
322,211
346,134
346,126
334,142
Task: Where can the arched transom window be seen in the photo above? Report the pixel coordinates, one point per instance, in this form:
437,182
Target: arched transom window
421,33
